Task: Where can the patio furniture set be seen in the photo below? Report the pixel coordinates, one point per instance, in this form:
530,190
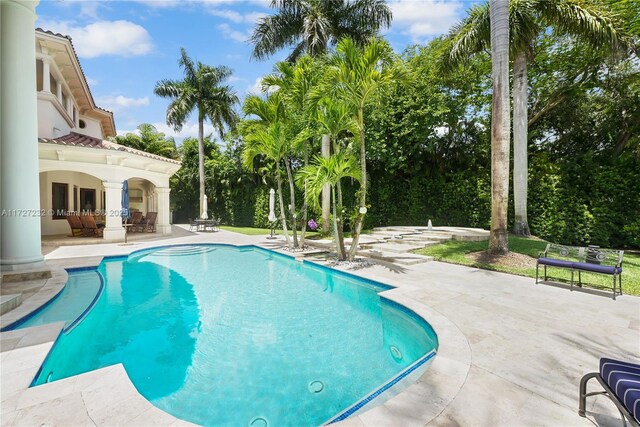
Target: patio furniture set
207,225
86,225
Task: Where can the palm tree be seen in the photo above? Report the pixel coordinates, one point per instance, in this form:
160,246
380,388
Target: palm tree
499,17
293,83
149,140
274,143
528,19
330,171
276,134
354,76
311,26
203,90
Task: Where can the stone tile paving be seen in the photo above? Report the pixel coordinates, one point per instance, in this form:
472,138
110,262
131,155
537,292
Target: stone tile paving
511,353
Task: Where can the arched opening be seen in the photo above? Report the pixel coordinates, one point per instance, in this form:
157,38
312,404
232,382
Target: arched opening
142,195
63,191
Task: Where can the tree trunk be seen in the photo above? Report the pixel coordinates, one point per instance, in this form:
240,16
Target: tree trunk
520,137
339,248
355,232
283,218
292,196
201,157
499,16
340,221
326,191
303,226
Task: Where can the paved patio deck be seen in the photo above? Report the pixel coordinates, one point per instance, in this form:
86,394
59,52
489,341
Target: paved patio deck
511,352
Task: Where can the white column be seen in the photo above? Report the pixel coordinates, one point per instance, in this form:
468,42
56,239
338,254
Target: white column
59,92
46,75
114,229
162,200
19,179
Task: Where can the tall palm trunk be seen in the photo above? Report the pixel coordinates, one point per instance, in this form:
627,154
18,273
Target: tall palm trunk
499,16
283,218
287,164
336,233
363,187
340,221
326,191
201,157
520,172
303,226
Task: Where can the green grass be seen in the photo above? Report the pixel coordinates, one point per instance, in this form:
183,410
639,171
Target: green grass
249,231
454,252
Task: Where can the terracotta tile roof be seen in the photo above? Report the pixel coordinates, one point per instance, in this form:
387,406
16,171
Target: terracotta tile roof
78,140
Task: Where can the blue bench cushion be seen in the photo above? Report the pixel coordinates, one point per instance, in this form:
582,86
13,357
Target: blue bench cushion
608,269
624,379
555,262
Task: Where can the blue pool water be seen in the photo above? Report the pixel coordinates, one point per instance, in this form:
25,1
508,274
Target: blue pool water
223,335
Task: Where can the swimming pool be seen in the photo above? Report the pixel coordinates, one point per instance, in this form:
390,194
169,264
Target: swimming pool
225,335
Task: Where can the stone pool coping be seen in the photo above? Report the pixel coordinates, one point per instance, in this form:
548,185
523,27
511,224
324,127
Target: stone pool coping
527,344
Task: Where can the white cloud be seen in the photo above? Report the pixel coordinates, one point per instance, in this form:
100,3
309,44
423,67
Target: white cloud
256,88
190,129
230,33
422,19
92,82
120,38
119,102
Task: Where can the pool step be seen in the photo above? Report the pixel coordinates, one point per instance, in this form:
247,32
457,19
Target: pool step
9,302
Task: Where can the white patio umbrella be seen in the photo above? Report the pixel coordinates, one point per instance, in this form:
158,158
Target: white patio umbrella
272,205
204,214
272,212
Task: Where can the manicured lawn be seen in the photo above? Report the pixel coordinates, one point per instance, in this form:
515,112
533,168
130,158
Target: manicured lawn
249,231
454,252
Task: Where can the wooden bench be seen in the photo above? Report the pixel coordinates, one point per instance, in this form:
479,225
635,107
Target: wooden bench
590,259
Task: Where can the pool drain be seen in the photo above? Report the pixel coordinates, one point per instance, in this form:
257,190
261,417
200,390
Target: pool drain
258,422
395,353
316,386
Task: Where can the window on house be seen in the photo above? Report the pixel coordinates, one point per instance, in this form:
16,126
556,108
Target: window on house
59,200
88,199
64,101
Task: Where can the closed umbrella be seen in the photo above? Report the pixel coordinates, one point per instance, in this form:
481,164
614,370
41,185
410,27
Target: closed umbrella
125,200
204,214
272,205
272,212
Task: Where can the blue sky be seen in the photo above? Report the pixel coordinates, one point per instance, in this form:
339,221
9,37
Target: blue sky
125,47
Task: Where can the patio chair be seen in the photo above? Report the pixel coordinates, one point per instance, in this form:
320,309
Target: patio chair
77,229
136,222
150,224
90,226
193,225
621,383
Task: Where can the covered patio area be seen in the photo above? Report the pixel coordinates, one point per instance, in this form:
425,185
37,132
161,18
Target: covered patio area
81,175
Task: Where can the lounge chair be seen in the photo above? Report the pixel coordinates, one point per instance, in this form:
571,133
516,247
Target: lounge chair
193,225
621,383
90,226
77,229
150,223
136,221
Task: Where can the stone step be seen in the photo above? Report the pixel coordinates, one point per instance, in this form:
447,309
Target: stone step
426,237
394,257
415,241
9,302
392,247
